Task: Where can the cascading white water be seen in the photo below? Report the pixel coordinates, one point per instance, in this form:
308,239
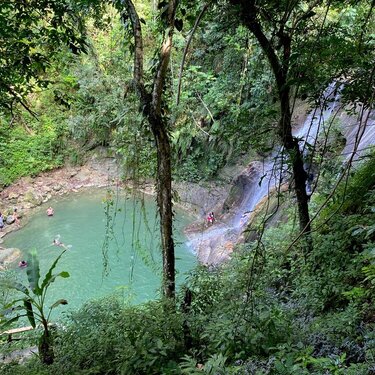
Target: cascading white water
266,176
361,135
317,119
307,134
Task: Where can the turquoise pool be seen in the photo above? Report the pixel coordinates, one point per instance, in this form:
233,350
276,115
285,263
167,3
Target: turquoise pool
81,223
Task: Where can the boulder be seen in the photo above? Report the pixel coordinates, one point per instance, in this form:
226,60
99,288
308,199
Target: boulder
47,197
10,219
28,205
10,255
242,185
33,197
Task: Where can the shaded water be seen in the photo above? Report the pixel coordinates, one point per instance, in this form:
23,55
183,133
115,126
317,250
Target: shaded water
133,250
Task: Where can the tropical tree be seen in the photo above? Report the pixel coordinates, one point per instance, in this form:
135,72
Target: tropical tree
34,303
281,29
31,34
151,105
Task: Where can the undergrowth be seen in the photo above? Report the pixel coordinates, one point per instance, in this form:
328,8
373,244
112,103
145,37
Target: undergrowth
270,310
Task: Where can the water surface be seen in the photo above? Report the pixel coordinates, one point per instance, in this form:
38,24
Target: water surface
83,221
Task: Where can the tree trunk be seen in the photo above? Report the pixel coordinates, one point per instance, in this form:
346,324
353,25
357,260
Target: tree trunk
291,146
164,201
249,14
151,105
45,346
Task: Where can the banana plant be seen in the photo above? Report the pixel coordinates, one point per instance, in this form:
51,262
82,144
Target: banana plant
33,303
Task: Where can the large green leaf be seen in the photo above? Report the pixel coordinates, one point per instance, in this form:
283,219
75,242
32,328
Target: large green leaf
12,284
10,309
63,274
48,278
29,311
9,322
33,273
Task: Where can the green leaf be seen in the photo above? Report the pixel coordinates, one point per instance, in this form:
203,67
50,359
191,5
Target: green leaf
63,274
58,303
11,284
48,278
9,322
29,311
33,273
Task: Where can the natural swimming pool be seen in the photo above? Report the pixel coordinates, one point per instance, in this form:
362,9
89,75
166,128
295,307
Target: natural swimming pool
81,222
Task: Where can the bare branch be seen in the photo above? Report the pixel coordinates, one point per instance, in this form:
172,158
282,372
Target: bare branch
205,106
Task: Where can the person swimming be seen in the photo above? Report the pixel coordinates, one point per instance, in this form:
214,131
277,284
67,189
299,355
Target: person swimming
57,242
50,211
22,264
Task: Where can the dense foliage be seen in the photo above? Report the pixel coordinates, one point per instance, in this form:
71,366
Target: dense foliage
291,315
273,309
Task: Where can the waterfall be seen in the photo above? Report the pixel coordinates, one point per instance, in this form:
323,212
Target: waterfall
215,243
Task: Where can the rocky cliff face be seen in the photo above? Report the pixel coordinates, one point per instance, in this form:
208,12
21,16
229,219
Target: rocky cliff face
250,189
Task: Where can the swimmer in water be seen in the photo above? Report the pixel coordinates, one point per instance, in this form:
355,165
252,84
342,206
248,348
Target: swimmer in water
57,242
50,211
22,264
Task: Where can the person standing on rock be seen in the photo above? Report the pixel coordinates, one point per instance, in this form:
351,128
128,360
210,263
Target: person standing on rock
210,218
15,217
1,222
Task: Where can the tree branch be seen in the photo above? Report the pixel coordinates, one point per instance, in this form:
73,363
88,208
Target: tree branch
196,24
138,41
165,55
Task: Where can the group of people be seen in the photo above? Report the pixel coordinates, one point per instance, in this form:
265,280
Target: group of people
50,212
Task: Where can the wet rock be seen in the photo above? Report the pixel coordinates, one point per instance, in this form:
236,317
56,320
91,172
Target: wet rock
28,205
198,198
47,197
33,197
241,185
57,187
72,173
10,219
9,255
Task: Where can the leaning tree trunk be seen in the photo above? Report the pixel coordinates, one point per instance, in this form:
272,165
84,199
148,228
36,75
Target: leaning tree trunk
249,15
296,158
